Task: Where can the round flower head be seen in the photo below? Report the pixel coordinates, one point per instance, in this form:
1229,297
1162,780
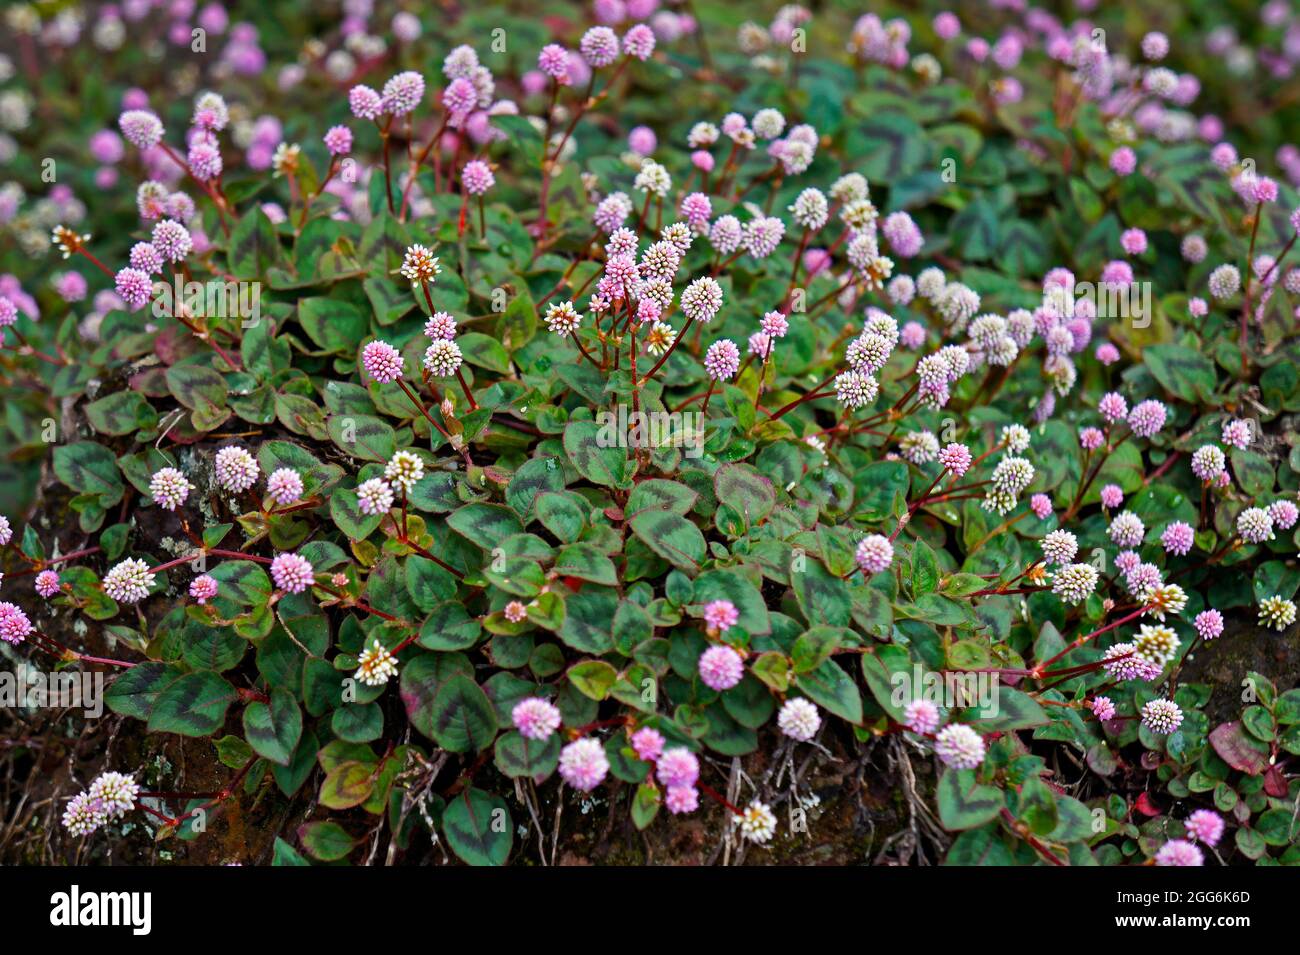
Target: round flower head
236,469
721,668
1284,514
720,615
116,794
1179,852
535,718
145,258
169,488
365,103
1112,496
921,716
959,746
553,60
374,497
172,240
203,588
1147,418
1208,462
1075,582
204,160
1209,624
1156,644
854,390
1126,530
443,358
702,299
292,573
381,361
874,554
141,128
404,469
1122,662
1205,825
403,92
338,140
83,815
583,764
799,719
14,623
599,46
1255,525
682,799
1041,505
1103,708
133,286
639,42
722,360
757,823
477,177
128,581
1224,281
1162,716
1276,612
47,583
956,458
1237,433
678,767
1162,598
440,325
6,531
284,485
562,318
515,612
1178,538
1060,547
376,666
647,743
419,265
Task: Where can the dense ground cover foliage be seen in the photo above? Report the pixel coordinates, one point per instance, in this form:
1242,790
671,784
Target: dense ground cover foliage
492,434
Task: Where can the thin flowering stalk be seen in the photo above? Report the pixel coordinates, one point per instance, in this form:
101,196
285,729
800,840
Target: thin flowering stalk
1245,308
1040,668
415,399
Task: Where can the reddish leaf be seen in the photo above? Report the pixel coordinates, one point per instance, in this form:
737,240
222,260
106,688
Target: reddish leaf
1146,805
1239,750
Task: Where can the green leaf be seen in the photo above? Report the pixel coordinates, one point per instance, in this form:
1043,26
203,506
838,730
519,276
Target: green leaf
334,325
486,525
661,495
746,491
193,705
596,455
121,413
832,689
363,436
592,678
326,841
1181,371
273,730
253,247
965,803
346,785
461,719
672,537
484,351
586,563
560,514
478,828
815,646
530,481
89,468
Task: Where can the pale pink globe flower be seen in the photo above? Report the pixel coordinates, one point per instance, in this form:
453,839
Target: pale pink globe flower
647,743
535,718
677,767
721,668
292,573
47,583
583,764
203,588
720,615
